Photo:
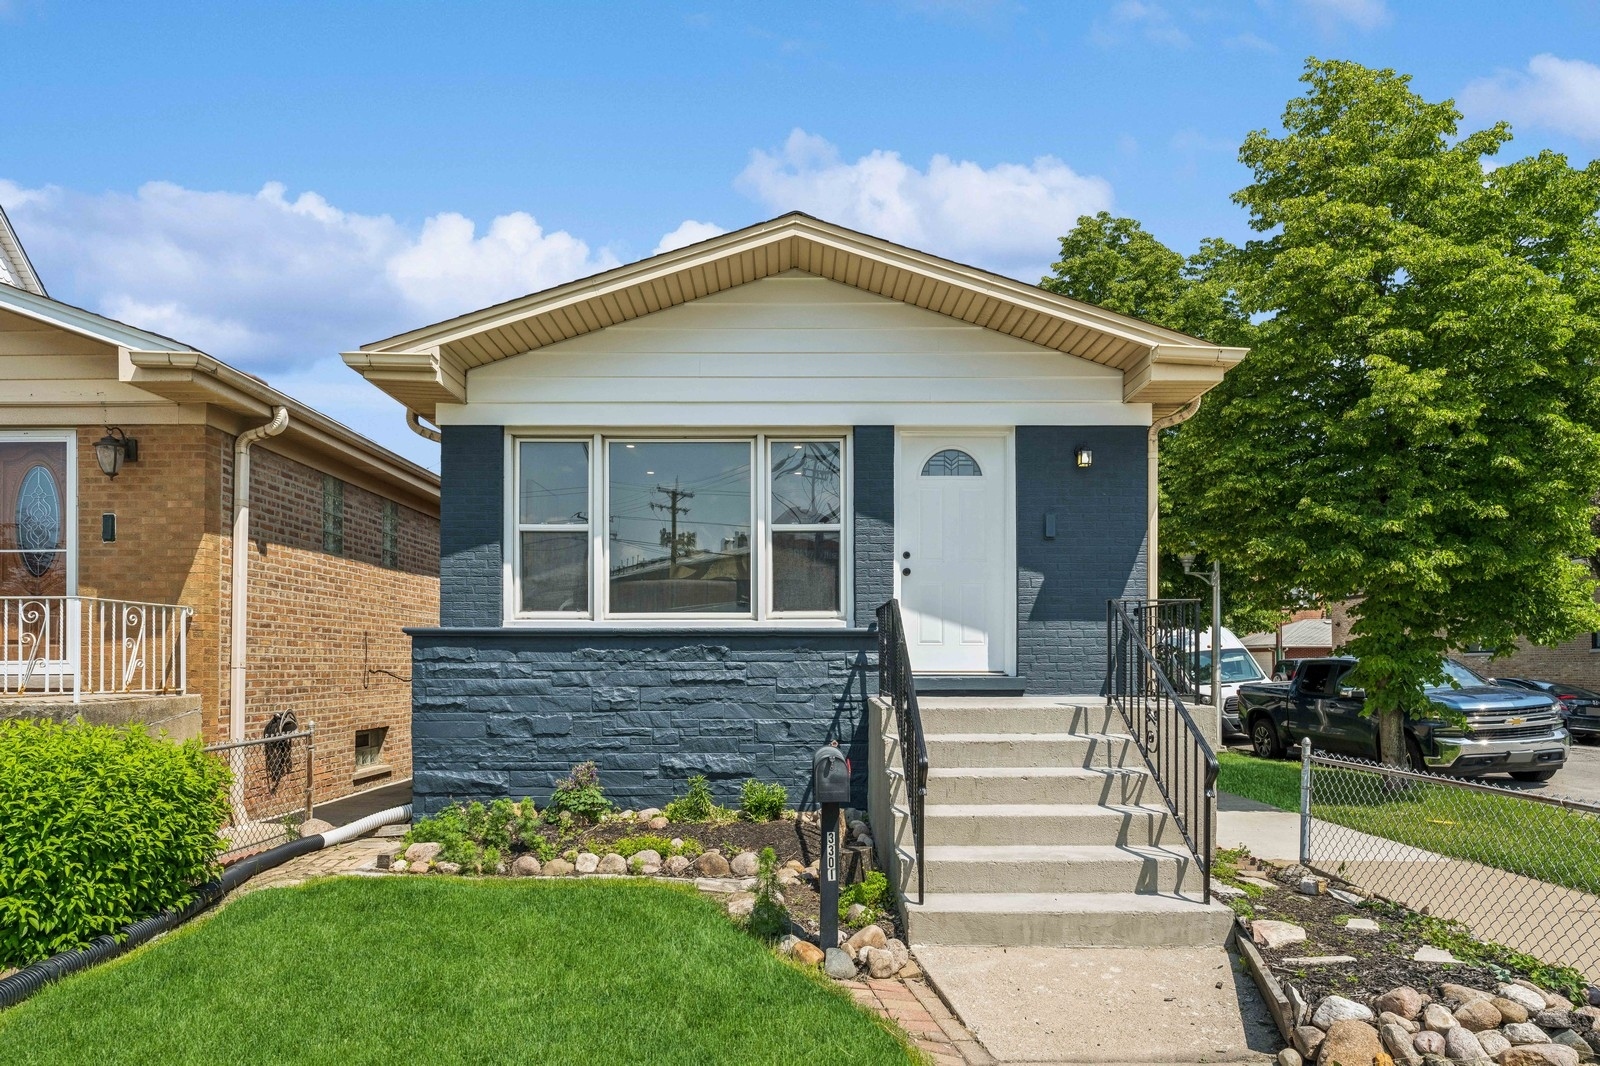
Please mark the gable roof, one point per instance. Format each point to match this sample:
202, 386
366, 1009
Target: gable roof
15, 270
428, 366
177, 372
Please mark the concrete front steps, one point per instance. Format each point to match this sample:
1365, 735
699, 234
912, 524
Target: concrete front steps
1043, 828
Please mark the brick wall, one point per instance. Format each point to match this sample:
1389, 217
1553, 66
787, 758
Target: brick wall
472, 470
507, 712
1098, 552
325, 637
873, 529
1574, 662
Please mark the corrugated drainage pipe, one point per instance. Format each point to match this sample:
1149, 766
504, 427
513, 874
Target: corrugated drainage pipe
30, 979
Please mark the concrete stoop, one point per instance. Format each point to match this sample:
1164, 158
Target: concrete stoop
1043, 829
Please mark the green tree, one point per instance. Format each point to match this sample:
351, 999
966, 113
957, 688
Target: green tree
1415, 426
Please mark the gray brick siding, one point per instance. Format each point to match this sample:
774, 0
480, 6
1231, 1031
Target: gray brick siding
1098, 553
471, 524
873, 530
507, 712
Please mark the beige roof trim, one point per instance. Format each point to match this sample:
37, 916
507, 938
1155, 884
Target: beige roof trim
429, 366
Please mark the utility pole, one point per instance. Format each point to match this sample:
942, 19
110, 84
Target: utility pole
674, 509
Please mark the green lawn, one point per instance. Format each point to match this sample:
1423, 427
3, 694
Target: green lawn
445, 970
1521, 836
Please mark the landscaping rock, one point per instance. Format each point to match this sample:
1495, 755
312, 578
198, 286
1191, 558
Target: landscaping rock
1307, 1039
448, 867
1436, 1018
1594, 996
1528, 997
612, 864
807, 953
649, 813
1259, 882
1525, 1033
1431, 954
1399, 1045
1510, 1010
712, 864
647, 857
854, 914
675, 866
1554, 1019
871, 936
1312, 886
747, 884
901, 953
423, 852
1478, 1015
1493, 1043
1391, 1018
1428, 1042
1539, 1055
587, 862
418, 867
1346, 897
525, 866
315, 827
1455, 995
746, 864
398, 865
837, 965
1290, 1057
1350, 1042
1275, 935
658, 822
1319, 960
1337, 1009
786, 944
559, 868
1227, 892
879, 962
1552, 1000
1460, 1045
740, 904
1567, 1038
1404, 1001
1362, 925
788, 877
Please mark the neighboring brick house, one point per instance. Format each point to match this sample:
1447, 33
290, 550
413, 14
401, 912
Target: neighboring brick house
121, 588
675, 494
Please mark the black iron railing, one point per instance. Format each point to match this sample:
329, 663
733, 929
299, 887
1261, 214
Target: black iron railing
896, 684
1153, 652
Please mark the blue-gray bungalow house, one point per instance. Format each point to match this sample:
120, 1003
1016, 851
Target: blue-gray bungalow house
675, 493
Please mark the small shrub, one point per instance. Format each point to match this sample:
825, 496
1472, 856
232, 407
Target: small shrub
528, 822
580, 796
99, 827
761, 802
696, 805
630, 846
769, 919
541, 849
872, 892
500, 819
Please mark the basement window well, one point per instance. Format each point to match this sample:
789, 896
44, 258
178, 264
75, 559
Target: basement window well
369, 753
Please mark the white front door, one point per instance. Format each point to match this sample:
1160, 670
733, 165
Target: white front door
954, 568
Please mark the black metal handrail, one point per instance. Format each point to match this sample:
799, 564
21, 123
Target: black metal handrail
896, 683
1146, 642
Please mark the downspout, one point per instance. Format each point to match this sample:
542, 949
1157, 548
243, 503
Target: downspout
1153, 491
414, 420
241, 563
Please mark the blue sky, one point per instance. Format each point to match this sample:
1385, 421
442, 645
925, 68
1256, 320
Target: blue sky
276, 183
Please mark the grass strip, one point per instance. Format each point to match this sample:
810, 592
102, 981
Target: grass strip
451, 970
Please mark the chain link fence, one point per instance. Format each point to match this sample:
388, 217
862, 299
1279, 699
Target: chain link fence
1518, 869
271, 792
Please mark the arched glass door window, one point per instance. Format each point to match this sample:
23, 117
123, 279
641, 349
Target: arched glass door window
952, 462
39, 525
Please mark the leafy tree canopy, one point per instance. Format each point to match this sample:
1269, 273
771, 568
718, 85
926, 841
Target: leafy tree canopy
1416, 425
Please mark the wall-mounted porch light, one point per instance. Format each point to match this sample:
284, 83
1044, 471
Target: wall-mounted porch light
1085, 458
113, 449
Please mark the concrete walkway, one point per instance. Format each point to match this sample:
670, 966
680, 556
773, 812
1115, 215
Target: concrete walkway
1104, 1005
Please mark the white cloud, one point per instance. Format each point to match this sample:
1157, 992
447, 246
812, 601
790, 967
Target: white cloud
688, 232
1006, 217
1558, 94
1362, 14
1149, 21
271, 281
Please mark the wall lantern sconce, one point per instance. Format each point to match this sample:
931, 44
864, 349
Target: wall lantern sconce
113, 449
1085, 458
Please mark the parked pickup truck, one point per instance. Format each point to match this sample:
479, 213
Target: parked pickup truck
1507, 730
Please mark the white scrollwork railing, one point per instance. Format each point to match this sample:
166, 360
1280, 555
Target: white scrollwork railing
85, 645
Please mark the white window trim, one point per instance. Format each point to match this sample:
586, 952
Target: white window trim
69, 490
760, 617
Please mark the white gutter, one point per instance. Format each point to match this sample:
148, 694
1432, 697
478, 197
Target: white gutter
241, 563
1153, 493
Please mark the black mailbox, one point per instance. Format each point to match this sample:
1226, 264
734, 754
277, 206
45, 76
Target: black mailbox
830, 776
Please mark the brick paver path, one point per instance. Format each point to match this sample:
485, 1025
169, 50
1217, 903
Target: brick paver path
350, 857
917, 1009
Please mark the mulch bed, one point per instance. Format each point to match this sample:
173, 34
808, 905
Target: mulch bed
1383, 959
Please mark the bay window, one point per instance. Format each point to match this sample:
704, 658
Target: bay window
623, 528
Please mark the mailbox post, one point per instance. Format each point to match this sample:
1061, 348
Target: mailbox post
830, 780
